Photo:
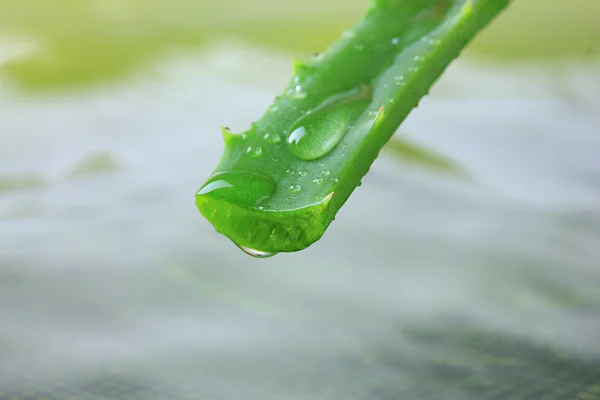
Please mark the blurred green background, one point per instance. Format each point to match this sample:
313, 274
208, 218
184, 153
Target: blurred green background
426, 287
98, 39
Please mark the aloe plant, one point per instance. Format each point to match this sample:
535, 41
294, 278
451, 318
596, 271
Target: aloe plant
280, 184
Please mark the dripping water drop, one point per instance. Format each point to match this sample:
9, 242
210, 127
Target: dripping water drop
256, 253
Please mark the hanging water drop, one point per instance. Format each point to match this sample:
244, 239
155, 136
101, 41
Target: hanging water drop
317, 133
318, 181
256, 253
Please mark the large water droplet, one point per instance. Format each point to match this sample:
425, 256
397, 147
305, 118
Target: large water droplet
238, 187
256, 253
254, 151
318, 132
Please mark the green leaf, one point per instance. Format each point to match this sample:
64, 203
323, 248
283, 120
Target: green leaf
280, 184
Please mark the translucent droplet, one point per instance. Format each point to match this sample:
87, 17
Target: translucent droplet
318, 181
295, 188
431, 40
256, 253
237, 187
272, 137
254, 151
275, 159
302, 173
317, 133
395, 41
418, 58
335, 180
326, 173
297, 92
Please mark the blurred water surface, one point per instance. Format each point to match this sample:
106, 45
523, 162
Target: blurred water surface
426, 286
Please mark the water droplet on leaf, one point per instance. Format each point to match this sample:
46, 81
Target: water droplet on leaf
254, 151
238, 187
295, 188
297, 92
317, 133
272, 137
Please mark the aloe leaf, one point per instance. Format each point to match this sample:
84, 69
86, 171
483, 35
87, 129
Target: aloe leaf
280, 184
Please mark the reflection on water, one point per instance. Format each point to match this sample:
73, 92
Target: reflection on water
112, 286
